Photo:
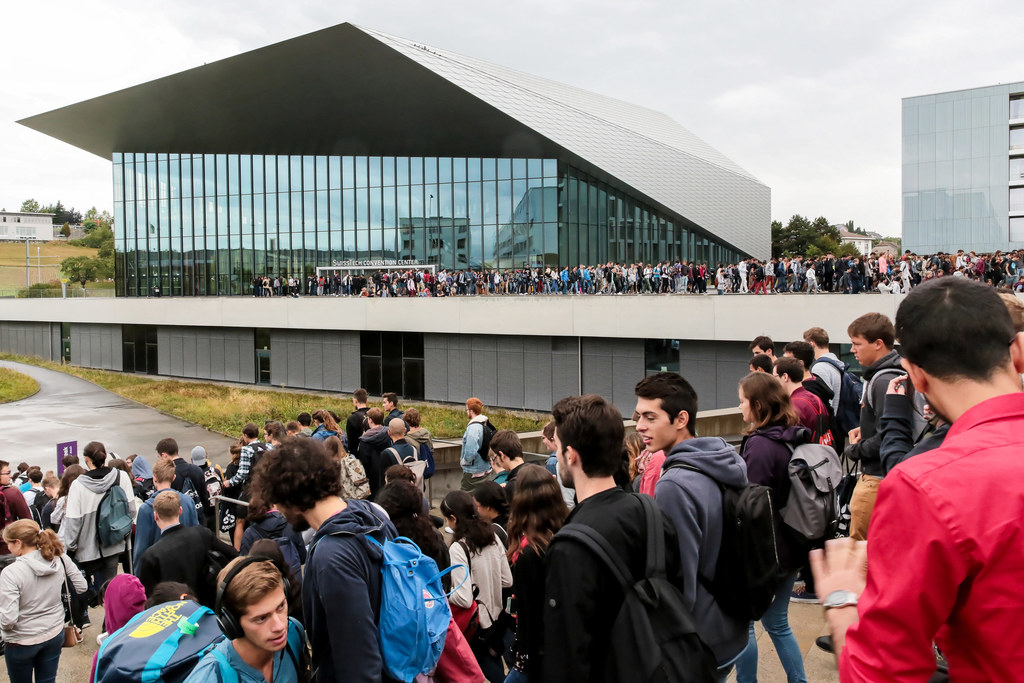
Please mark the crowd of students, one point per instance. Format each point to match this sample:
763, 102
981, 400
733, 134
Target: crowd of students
824, 273
543, 561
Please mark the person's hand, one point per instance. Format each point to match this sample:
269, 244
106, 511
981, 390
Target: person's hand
898, 385
854, 436
841, 566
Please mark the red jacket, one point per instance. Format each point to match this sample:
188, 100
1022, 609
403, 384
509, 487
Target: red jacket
13, 507
946, 558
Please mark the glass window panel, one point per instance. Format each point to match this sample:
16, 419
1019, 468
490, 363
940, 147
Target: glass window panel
445, 200
1017, 169
333, 173
362, 210
302, 177
422, 207
402, 170
1017, 229
222, 174
362, 171
1017, 138
1017, 107
284, 179
416, 171
444, 170
387, 167
1017, 199
470, 242
374, 173
535, 168
376, 208
175, 179
475, 197
490, 243
232, 174
348, 173
490, 202
504, 169
472, 169
519, 168
321, 173
489, 169
458, 170
245, 174
430, 170
403, 202
270, 174
459, 200
550, 168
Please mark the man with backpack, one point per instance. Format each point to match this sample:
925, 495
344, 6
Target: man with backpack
146, 530
188, 479
872, 336
372, 444
97, 503
355, 425
341, 591
262, 642
826, 365
475, 456
691, 495
587, 592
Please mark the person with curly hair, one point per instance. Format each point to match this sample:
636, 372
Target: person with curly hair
341, 590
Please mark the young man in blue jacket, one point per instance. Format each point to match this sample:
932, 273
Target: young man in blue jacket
341, 587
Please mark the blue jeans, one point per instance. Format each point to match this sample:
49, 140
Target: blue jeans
43, 658
776, 623
516, 677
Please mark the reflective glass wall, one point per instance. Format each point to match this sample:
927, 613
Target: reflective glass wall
205, 225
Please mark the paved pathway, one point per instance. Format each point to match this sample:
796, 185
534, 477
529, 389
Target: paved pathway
71, 409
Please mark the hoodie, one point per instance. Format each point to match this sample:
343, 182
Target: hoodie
693, 500
341, 594
31, 610
418, 436
868, 449
767, 457
78, 529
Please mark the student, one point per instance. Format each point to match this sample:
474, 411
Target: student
341, 588
261, 642
945, 559
146, 531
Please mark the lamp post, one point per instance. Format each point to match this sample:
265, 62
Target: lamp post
27, 257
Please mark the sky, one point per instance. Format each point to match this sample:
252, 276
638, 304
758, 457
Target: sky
806, 97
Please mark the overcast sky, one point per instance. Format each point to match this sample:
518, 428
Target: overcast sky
804, 96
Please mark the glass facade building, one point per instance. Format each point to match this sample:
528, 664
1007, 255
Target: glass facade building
206, 224
963, 170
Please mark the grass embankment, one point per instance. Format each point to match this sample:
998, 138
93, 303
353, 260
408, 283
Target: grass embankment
15, 386
226, 409
12, 261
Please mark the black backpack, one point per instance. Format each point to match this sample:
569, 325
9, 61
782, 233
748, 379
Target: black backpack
654, 636
485, 443
747, 570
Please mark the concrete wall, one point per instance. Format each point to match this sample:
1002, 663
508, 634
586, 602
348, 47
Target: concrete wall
207, 353
311, 359
703, 318
31, 339
96, 346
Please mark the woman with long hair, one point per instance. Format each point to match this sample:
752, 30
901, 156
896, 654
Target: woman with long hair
31, 609
326, 425
476, 546
538, 512
773, 427
403, 501
71, 473
492, 505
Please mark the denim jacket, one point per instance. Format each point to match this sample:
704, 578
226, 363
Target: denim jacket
470, 459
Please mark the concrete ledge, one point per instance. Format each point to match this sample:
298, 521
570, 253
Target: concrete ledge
738, 317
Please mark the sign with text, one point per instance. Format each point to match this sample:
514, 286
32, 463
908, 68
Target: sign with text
64, 450
372, 263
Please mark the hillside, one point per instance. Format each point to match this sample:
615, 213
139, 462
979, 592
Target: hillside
12, 261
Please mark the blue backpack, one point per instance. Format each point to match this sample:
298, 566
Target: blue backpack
851, 390
414, 612
113, 519
163, 643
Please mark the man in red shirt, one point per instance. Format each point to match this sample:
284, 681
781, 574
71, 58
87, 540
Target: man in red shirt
946, 558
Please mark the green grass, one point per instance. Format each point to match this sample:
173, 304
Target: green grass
226, 409
15, 386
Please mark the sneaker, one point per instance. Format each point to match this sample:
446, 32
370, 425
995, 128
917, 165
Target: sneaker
825, 643
803, 595
86, 624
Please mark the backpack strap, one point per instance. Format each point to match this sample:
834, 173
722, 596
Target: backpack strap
227, 673
704, 581
599, 546
871, 383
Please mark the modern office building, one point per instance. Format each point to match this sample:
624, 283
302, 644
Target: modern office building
963, 170
350, 144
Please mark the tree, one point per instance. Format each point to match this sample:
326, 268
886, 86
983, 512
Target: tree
30, 206
66, 230
76, 268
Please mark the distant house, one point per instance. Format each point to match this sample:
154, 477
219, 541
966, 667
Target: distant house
20, 225
862, 242
885, 247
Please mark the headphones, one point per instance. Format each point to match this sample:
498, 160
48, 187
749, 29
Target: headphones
229, 622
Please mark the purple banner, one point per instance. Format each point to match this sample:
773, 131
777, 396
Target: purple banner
63, 450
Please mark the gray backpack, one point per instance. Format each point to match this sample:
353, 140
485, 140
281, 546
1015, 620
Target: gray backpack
812, 507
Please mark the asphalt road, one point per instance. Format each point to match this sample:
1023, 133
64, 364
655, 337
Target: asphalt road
71, 409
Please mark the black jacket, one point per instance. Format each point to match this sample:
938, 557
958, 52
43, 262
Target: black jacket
355, 425
897, 432
180, 555
387, 459
186, 470
371, 445
868, 449
582, 598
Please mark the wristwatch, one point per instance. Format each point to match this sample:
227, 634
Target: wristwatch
837, 599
